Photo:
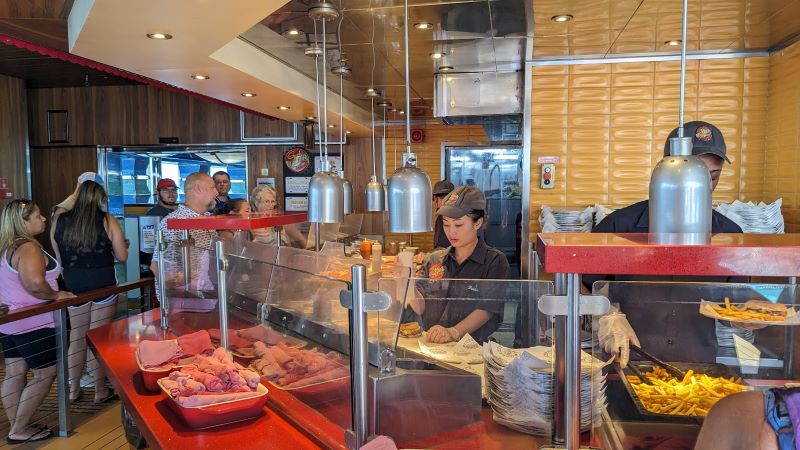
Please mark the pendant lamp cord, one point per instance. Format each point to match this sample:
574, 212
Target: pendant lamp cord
683, 67
408, 80
316, 73
325, 92
372, 86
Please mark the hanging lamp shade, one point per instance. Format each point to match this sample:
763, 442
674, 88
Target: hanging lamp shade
410, 208
376, 196
325, 198
347, 194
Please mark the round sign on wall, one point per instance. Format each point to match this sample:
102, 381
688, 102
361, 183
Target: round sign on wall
297, 159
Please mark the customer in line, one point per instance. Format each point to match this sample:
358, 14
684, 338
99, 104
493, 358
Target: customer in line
440, 190
264, 199
222, 182
87, 240
69, 202
167, 194
201, 196
27, 277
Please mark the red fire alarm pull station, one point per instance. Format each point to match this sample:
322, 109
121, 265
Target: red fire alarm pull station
417, 136
5, 191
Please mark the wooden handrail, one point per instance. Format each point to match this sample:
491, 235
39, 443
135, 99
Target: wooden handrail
96, 294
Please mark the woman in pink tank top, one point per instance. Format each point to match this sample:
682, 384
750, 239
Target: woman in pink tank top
27, 277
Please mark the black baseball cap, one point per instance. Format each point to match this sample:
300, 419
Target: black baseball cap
462, 201
443, 187
706, 139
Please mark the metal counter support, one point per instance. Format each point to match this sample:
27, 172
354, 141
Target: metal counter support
572, 397
222, 292
559, 342
186, 260
358, 358
62, 381
161, 283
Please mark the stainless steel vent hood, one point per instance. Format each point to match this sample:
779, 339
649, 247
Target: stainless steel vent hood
485, 78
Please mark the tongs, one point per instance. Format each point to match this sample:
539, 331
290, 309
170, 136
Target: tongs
674, 371
638, 373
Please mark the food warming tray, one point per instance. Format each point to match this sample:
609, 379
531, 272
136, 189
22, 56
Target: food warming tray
223, 413
712, 370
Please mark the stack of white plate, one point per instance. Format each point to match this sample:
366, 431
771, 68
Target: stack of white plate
600, 212
755, 218
566, 221
520, 388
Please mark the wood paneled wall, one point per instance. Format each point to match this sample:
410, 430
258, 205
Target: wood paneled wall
13, 130
131, 115
782, 161
608, 124
54, 175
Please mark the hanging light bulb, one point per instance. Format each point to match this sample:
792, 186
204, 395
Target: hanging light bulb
375, 192
325, 190
410, 208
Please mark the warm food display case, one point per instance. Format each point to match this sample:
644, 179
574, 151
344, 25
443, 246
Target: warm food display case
699, 341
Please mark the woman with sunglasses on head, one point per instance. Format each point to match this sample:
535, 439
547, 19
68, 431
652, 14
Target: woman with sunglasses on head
27, 277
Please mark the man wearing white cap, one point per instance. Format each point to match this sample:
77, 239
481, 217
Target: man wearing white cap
69, 202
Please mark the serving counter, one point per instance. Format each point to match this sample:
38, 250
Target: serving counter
341, 349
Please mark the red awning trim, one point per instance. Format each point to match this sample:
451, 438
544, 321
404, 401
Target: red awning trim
81, 61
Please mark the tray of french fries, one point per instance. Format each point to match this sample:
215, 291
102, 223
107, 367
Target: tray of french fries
688, 399
756, 312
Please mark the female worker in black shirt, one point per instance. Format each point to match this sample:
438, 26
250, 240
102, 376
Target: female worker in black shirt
468, 258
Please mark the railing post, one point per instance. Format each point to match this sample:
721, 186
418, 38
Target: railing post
62, 375
186, 259
162, 283
572, 397
559, 367
358, 358
222, 292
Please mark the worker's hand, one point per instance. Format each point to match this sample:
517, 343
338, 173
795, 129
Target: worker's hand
616, 335
438, 334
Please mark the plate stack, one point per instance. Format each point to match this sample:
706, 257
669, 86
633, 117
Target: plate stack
520, 388
566, 221
755, 218
600, 213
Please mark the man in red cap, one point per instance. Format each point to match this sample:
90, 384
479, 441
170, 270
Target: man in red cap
167, 192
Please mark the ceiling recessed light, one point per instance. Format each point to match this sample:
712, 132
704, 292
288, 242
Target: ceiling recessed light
370, 90
445, 68
347, 132
562, 18
423, 25
436, 55
673, 42
159, 36
284, 108
401, 111
293, 32
248, 94
331, 126
198, 76
311, 118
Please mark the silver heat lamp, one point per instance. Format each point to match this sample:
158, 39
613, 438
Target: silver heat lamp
325, 190
680, 186
347, 192
376, 195
409, 194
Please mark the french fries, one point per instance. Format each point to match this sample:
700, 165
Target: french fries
692, 396
743, 313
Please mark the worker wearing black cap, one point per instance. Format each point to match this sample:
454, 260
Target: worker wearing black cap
467, 257
440, 191
672, 327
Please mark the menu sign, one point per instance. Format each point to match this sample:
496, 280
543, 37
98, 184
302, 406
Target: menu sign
297, 185
295, 204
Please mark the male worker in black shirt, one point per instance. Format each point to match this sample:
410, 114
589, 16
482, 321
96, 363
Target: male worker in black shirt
440, 191
669, 322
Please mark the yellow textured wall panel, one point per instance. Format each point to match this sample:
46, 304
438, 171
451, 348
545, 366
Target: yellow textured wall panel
620, 115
